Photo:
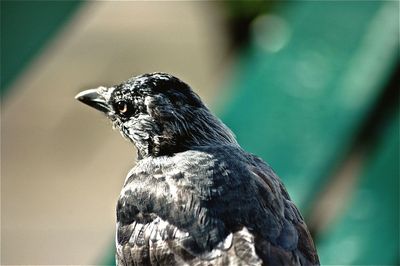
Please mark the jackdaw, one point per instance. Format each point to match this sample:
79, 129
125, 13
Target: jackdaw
195, 197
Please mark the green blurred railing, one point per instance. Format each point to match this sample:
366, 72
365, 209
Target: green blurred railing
300, 107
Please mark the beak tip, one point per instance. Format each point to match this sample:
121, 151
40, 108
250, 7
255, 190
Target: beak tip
80, 96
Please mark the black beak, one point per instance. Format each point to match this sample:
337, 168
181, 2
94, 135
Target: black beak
93, 99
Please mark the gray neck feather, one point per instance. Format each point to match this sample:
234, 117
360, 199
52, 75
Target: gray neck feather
196, 127
203, 128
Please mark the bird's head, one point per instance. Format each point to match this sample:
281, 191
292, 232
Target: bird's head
159, 113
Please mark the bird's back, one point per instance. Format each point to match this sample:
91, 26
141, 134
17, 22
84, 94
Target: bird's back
209, 206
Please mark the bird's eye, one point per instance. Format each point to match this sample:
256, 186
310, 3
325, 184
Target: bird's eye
122, 107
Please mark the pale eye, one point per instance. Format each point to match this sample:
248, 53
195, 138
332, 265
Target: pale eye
125, 109
122, 107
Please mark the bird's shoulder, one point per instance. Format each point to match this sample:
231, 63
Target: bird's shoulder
203, 167
169, 211
199, 199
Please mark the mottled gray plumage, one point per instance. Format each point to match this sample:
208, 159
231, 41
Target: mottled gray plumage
195, 197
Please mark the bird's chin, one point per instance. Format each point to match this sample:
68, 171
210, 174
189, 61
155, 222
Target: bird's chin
116, 124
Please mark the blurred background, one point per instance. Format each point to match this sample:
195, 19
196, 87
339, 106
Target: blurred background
311, 87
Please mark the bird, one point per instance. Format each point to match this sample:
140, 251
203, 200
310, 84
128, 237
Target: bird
194, 197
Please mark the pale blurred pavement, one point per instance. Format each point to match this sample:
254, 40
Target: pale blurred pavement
62, 164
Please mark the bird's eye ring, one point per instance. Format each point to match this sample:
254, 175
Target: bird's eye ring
122, 107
